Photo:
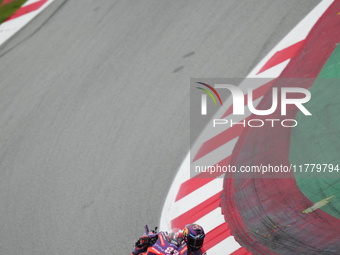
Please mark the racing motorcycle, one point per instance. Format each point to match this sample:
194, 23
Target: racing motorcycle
161, 244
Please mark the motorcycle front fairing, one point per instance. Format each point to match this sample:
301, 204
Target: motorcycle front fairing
166, 245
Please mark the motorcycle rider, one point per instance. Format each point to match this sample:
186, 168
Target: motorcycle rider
192, 235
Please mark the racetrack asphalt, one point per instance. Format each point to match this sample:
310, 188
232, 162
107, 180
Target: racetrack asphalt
94, 112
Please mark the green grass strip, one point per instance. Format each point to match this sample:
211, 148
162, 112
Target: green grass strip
9, 9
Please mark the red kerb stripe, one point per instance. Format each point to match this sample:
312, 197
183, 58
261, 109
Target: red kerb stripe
282, 56
199, 180
197, 212
6, 2
216, 236
219, 140
27, 9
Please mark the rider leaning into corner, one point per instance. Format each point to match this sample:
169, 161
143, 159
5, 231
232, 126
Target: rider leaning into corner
191, 238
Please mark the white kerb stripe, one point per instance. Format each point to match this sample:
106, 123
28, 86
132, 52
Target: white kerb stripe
211, 220
198, 196
274, 71
226, 247
9, 28
216, 155
30, 2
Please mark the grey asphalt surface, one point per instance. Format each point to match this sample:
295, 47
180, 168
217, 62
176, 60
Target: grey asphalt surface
94, 112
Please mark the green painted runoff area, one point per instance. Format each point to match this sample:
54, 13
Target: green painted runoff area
316, 139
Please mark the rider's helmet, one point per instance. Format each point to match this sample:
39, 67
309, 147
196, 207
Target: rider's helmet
194, 235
